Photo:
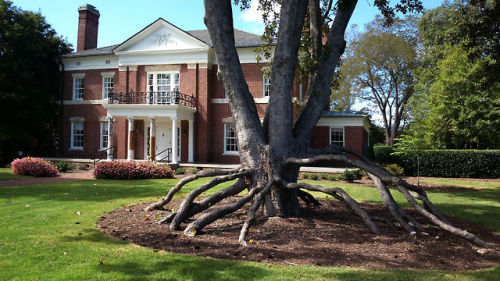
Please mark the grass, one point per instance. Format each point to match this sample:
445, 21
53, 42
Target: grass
6, 174
43, 238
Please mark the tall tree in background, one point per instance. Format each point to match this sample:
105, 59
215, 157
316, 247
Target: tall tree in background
29, 82
272, 152
378, 68
457, 96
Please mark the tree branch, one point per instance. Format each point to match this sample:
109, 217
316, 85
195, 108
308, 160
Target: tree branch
319, 94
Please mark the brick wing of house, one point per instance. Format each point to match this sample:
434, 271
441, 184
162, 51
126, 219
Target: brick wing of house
156, 96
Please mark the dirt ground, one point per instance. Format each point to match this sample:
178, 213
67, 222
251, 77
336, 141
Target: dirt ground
328, 235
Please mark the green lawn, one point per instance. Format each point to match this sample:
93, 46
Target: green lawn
6, 174
43, 238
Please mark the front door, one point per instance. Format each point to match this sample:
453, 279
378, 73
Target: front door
164, 141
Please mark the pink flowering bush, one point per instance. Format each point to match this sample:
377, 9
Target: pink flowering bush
31, 166
132, 170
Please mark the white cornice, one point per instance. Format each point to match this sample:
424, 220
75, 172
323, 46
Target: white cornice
81, 102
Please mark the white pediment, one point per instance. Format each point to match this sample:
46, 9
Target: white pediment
160, 36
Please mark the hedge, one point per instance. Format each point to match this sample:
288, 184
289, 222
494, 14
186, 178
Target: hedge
453, 163
383, 154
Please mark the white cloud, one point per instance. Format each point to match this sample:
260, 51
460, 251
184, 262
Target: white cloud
253, 14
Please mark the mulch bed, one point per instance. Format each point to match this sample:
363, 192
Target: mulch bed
328, 235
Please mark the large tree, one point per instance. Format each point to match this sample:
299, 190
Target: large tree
271, 153
378, 68
29, 82
457, 95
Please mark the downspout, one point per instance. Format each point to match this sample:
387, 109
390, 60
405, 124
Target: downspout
61, 108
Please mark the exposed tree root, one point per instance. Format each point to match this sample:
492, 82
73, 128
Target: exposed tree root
343, 197
382, 177
308, 198
186, 206
260, 187
208, 218
253, 209
207, 173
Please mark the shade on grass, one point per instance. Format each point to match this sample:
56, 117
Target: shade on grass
6, 174
43, 238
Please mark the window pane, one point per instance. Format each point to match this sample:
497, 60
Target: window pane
337, 136
230, 140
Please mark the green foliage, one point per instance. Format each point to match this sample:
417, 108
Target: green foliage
384, 154
453, 163
314, 176
455, 108
194, 171
64, 166
395, 169
29, 82
457, 95
350, 175
83, 167
180, 171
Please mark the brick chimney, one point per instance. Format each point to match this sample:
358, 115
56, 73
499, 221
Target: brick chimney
88, 24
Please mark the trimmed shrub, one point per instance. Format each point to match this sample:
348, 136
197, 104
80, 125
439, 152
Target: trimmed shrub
305, 176
132, 170
33, 167
333, 177
323, 176
83, 167
180, 171
350, 175
64, 166
194, 171
314, 177
395, 169
453, 163
383, 154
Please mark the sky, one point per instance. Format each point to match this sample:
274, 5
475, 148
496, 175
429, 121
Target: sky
121, 19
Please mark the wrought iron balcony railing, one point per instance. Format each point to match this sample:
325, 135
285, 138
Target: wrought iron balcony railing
157, 98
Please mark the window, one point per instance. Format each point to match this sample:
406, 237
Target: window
78, 83
77, 135
266, 85
230, 141
337, 136
107, 85
104, 135
161, 84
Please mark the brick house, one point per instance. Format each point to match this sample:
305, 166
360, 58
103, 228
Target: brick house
157, 96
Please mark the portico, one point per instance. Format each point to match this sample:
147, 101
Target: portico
162, 129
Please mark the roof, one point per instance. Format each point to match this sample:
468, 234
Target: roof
108, 50
242, 39
341, 114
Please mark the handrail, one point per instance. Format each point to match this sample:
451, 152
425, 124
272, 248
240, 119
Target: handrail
152, 97
98, 159
169, 154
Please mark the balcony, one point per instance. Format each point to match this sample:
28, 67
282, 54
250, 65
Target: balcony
152, 98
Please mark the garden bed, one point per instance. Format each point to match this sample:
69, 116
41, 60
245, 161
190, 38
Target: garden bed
328, 235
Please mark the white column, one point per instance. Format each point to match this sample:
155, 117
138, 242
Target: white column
191, 142
110, 139
174, 140
152, 139
131, 144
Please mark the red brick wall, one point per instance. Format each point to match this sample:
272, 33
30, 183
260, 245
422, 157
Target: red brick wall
88, 23
355, 138
92, 84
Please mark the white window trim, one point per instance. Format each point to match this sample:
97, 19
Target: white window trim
101, 142
225, 151
162, 72
78, 76
72, 146
264, 86
330, 135
105, 75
